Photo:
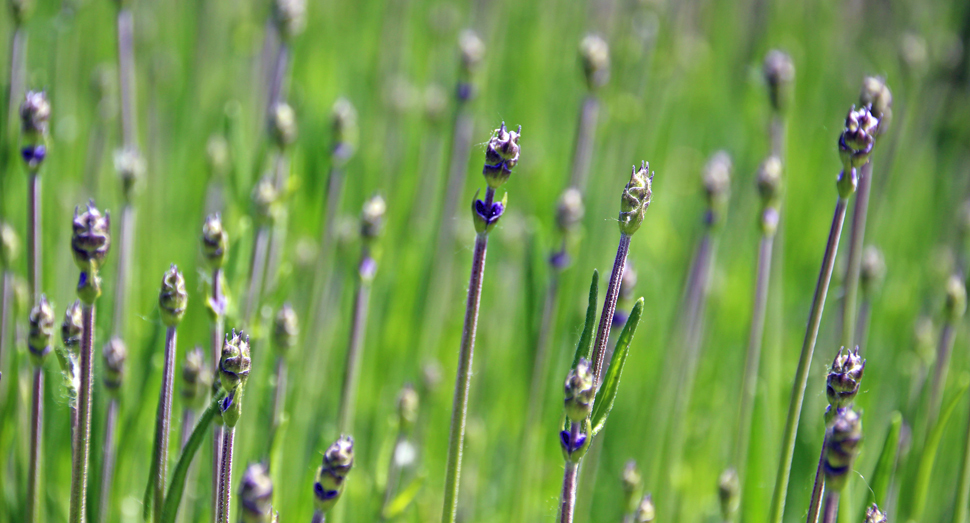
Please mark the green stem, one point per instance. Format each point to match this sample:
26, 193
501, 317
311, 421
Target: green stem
108, 459
79, 468
567, 503
6, 304
163, 422
947, 337
818, 488
123, 271
805, 363
857, 232
126, 76
963, 490
348, 396
256, 271
36, 431
609, 308
456, 438
585, 137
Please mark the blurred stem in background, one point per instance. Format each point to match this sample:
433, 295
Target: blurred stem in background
266, 204
215, 252
41, 323
286, 330
126, 75
131, 168
9, 248
284, 132
115, 353
404, 447
956, 305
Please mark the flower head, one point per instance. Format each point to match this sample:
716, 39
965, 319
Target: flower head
286, 329
41, 322
289, 17
779, 71
234, 363
857, 138
769, 181
173, 298
256, 494
115, 354
635, 199
580, 390
569, 210
843, 440
9, 245
215, 241
195, 377
130, 166
645, 511
91, 239
35, 113
594, 54
717, 185
337, 462
21, 10
874, 515
282, 124
372, 217
501, 155
72, 328
842, 383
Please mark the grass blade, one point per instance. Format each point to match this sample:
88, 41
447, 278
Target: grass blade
928, 458
403, 500
882, 476
586, 340
603, 403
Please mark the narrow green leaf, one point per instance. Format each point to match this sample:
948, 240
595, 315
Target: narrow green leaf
403, 500
925, 471
882, 476
153, 471
586, 340
174, 496
603, 403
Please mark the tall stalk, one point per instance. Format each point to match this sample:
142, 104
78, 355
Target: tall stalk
855, 145
963, 488
286, 330
89, 245
501, 155
956, 305
266, 209
284, 132
35, 112
126, 75
39, 344
131, 168
594, 54
234, 366
328, 487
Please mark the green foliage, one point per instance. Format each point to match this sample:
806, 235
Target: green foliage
611, 382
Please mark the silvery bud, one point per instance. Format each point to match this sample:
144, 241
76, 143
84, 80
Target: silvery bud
769, 181
234, 368
91, 239
282, 125
842, 446
580, 391
594, 54
472, 50
842, 383
289, 17
266, 201
130, 167
194, 377
876, 94
343, 121
256, 494
72, 328
41, 322
115, 353
779, 71
874, 515
9, 245
286, 328
372, 217
635, 199
501, 155
407, 407
645, 511
569, 210
857, 139
956, 298
435, 102
337, 462
717, 185
215, 242
173, 298
729, 493
632, 485
35, 113
873, 269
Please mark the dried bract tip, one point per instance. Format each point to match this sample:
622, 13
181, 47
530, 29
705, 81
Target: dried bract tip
635, 199
234, 363
130, 167
41, 321
876, 94
717, 185
729, 493
286, 328
266, 201
842, 446
73, 326
9, 245
256, 494
472, 50
282, 125
337, 462
195, 378
569, 210
956, 298
501, 155
645, 510
289, 17
874, 515
842, 383
114, 354
872, 270
343, 120
173, 298
217, 155
35, 113
857, 139
91, 239
769, 181
580, 390
779, 71
594, 54
372, 217
215, 241
407, 407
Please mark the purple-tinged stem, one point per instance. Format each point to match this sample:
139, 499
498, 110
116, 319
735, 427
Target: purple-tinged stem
818, 488
123, 271
944, 350
279, 395
216, 349
456, 438
831, 512
108, 460
585, 137
126, 76
33, 236
256, 272
36, 432
79, 468
609, 307
279, 75
776, 134
18, 52
163, 421
318, 517
188, 422
348, 397
569, 485
857, 232
225, 474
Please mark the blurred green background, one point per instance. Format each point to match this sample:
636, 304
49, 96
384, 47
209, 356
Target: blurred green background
686, 80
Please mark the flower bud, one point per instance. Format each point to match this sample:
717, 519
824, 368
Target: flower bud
779, 72
286, 328
194, 377
343, 120
337, 462
580, 390
842, 446
41, 321
35, 113
215, 241
635, 199
874, 515
485, 217
73, 326
956, 298
632, 485
91, 239
282, 124
289, 17
265, 201
115, 353
876, 94
645, 511
217, 155
130, 167
842, 383
570, 209
372, 218
872, 270
472, 50
234, 363
769, 181
856, 140
729, 492
717, 185
256, 494
407, 407
501, 155
173, 298
594, 54
9, 246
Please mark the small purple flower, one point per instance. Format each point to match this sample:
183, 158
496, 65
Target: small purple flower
490, 215
33, 155
619, 319
323, 494
367, 268
560, 260
465, 91
568, 444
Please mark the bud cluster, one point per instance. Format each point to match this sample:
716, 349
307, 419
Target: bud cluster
91, 238
857, 139
337, 462
717, 186
234, 365
215, 241
779, 71
842, 382
41, 322
115, 354
195, 377
286, 328
35, 114
501, 155
594, 54
173, 297
842, 446
635, 199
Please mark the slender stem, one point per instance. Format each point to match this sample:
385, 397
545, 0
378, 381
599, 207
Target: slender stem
318, 517
348, 397
831, 512
805, 363
818, 488
857, 232
33, 237
945, 349
257, 268
862, 323
216, 350
279, 75
963, 490
461, 142
126, 76
456, 438
393, 472
36, 431
18, 52
108, 460
777, 136
567, 504
188, 422
585, 137
539, 374
749, 383
5, 306
163, 421
79, 468
225, 474
278, 233
123, 271
279, 402
609, 307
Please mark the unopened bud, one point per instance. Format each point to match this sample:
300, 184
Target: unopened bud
266, 201
286, 328
35, 113
472, 50
956, 298
338, 460
256, 494
779, 72
874, 515
857, 139
580, 390
645, 511
769, 181
130, 167
194, 377
343, 119
234, 368
594, 54
632, 485
372, 218
91, 239
115, 355
41, 322
842, 383
173, 298
717, 185
9, 245
570, 209
635, 199
407, 407
215, 242
501, 155
282, 125
729, 493
72, 328
842, 446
